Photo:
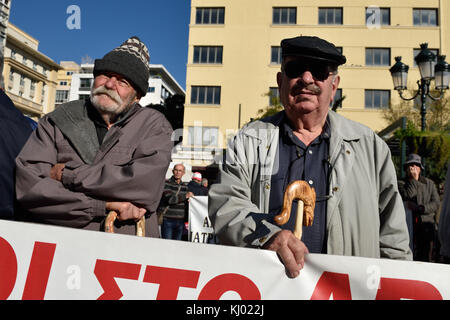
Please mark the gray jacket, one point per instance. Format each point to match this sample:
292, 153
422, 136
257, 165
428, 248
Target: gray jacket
365, 213
129, 166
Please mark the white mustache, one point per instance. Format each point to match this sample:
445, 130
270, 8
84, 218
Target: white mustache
110, 93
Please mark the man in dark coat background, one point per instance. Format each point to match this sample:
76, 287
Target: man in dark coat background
14, 132
422, 199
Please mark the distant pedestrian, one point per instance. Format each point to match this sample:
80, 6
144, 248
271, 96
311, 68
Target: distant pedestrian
205, 183
174, 205
195, 185
422, 199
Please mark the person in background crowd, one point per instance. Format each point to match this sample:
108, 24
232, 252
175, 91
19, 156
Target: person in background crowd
14, 132
444, 221
195, 185
88, 158
358, 210
174, 204
422, 199
205, 183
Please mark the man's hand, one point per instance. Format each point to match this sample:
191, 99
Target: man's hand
290, 250
56, 171
189, 195
126, 210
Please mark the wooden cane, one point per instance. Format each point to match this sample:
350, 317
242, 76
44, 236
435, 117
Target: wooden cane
112, 216
306, 196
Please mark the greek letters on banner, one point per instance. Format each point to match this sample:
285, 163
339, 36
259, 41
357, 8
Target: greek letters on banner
46, 262
200, 227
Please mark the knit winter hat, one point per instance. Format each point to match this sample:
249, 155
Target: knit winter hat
131, 60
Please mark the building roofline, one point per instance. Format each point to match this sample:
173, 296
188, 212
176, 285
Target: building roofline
169, 75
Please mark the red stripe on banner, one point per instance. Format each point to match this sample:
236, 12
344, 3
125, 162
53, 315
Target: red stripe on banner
39, 271
106, 271
170, 280
8, 269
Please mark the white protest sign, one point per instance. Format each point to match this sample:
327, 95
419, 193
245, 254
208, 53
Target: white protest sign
200, 227
46, 262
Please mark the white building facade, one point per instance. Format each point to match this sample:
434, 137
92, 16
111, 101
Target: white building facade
161, 85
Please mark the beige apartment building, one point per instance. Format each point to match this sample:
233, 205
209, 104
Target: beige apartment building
29, 75
64, 81
234, 56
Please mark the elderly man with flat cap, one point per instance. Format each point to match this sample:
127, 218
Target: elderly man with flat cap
358, 210
107, 153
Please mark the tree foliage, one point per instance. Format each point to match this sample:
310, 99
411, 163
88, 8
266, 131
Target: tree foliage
432, 145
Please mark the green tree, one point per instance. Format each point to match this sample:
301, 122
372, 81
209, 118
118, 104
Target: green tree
433, 145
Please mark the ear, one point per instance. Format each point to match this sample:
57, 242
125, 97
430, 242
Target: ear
279, 79
336, 82
335, 86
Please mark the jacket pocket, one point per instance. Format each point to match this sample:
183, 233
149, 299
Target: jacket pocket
120, 155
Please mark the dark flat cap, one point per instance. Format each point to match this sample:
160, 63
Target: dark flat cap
313, 48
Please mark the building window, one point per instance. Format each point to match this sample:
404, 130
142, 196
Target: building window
205, 95
43, 94
63, 83
377, 99
378, 56
165, 93
85, 84
203, 136
284, 16
274, 96
22, 80
151, 89
375, 15
417, 51
275, 56
62, 96
425, 17
203, 54
69, 73
330, 15
210, 16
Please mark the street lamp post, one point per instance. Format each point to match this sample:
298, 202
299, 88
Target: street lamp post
429, 69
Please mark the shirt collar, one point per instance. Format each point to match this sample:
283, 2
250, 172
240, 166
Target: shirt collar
287, 131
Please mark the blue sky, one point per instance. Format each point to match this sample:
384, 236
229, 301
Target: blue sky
163, 25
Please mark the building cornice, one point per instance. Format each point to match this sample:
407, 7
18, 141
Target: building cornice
29, 72
42, 57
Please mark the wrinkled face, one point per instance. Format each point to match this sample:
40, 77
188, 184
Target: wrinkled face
306, 86
178, 172
112, 94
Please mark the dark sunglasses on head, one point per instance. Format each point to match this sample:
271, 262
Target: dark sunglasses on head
296, 68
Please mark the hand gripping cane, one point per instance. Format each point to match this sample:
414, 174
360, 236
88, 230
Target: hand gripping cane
112, 216
306, 196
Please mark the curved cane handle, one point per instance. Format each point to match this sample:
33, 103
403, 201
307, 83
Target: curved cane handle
112, 216
298, 190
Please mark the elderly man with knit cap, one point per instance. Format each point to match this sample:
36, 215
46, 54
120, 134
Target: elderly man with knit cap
87, 158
